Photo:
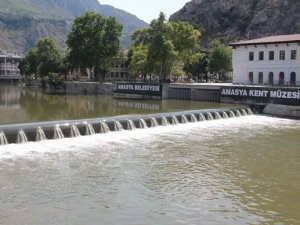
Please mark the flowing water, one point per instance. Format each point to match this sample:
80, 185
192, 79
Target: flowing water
240, 170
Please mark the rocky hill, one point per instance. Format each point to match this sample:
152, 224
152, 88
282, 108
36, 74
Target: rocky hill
23, 22
241, 19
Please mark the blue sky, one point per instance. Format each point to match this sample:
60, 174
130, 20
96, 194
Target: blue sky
147, 10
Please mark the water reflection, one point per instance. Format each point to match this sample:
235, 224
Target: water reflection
32, 105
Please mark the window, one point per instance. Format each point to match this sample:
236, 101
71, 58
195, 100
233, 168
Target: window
281, 78
260, 78
271, 78
293, 78
251, 56
261, 56
293, 54
281, 55
250, 78
271, 55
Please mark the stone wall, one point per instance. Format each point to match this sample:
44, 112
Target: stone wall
94, 88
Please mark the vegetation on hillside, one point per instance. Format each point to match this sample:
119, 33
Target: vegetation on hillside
24, 22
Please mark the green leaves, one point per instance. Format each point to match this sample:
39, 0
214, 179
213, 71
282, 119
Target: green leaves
42, 60
48, 57
93, 42
168, 44
219, 57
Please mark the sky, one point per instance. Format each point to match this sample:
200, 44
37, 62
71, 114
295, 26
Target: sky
147, 10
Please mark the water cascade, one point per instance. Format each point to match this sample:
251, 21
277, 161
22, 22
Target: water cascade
238, 113
174, 120
3, 139
89, 129
21, 137
130, 125
184, 119
118, 126
165, 121
231, 114
249, 111
142, 123
58, 134
193, 118
244, 113
201, 117
74, 131
154, 122
40, 135
225, 116
104, 127
22, 133
209, 116
218, 116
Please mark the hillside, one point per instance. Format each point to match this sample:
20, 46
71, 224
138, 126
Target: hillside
241, 19
23, 22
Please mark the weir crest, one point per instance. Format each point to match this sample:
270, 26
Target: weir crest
22, 133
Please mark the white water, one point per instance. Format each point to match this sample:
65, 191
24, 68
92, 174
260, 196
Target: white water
242, 170
40, 135
154, 122
58, 134
21, 137
131, 125
89, 129
142, 124
85, 142
74, 131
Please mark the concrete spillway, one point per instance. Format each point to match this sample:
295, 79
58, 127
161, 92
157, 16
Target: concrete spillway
22, 133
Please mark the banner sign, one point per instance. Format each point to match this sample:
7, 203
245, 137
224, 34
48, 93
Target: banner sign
139, 88
266, 95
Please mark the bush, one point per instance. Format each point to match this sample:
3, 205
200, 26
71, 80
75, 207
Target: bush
53, 79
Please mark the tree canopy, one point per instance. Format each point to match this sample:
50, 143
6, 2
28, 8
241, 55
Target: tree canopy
45, 58
167, 44
219, 57
93, 41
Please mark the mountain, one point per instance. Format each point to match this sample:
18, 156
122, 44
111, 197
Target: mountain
23, 22
234, 20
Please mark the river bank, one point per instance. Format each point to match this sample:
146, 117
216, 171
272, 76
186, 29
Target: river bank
261, 97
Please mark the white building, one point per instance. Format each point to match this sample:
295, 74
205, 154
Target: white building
9, 64
273, 60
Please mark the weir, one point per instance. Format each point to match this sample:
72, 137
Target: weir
22, 133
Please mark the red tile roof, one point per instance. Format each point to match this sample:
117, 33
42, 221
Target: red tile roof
292, 38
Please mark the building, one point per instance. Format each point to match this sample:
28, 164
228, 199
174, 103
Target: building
9, 64
273, 60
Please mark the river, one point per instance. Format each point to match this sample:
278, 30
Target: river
242, 170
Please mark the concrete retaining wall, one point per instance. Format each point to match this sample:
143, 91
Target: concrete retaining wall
207, 93
282, 110
94, 88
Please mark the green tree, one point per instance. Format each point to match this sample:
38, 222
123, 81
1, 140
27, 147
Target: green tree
138, 61
219, 58
29, 63
198, 65
24, 67
48, 57
93, 42
169, 44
